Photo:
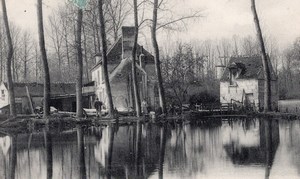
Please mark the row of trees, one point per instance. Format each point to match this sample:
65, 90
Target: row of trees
182, 69
75, 35
191, 68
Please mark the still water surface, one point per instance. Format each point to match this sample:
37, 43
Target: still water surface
239, 149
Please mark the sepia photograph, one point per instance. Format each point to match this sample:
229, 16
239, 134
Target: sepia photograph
149, 89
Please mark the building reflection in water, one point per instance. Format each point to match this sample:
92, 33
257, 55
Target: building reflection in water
255, 147
242, 148
131, 151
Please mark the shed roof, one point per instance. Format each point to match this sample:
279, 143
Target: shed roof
252, 68
37, 89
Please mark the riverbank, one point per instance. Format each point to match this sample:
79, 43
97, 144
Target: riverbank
25, 124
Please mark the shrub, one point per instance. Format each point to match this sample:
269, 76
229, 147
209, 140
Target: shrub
203, 97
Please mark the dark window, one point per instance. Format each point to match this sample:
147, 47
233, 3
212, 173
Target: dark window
2, 93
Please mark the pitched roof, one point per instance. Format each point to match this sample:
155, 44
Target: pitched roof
114, 54
123, 68
37, 89
252, 68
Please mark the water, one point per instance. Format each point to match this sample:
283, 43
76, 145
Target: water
238, 149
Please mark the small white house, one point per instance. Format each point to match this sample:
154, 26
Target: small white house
243, 82
4, 99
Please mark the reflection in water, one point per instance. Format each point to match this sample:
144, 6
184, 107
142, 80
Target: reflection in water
138, 150
110, 151
49, 159
80, 146
12, 157
162, 147
269, 147
234, 149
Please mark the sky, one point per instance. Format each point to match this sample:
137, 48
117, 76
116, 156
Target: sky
221, 18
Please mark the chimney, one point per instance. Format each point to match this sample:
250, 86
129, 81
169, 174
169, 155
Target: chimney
127, 41
220, 70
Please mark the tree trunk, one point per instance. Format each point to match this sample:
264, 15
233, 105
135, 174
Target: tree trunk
25, 58
161, 91
67, 46
85, 55
1, 58
11, 92
104, 58
79, 109
267, 74
44, 59
36, 64
134, 49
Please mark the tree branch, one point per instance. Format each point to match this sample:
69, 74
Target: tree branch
195, 15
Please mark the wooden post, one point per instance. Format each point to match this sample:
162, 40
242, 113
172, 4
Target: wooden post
30, 100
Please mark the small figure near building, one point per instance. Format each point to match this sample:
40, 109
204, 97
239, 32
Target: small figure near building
144, 107
98, 105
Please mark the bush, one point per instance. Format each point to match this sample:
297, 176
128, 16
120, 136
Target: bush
203, 97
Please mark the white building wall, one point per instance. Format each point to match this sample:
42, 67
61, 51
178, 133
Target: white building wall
228, 92
100, 90
4, 99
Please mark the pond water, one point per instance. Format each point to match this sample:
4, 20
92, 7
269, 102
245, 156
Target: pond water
237, 149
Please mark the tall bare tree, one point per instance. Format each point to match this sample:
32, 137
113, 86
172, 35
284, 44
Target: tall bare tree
26, 56
267, 73
44, 58
79, 109
104, 58
11, 92
57, 39
161, 90
117, 11
134, 49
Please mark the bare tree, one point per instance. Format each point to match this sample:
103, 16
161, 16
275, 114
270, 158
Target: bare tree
104, 58
79, 109
57, 40
44, 59
161, 90
267, 73
117, 11
11, 92
27, 47
134, 49
2, 45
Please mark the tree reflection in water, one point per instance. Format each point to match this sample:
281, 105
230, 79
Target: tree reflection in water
138, 149
162, 149
12, 157
80, 147
49, 158
110, 151
154, 151
271, 141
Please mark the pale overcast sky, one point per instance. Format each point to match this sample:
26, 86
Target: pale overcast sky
223, 18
